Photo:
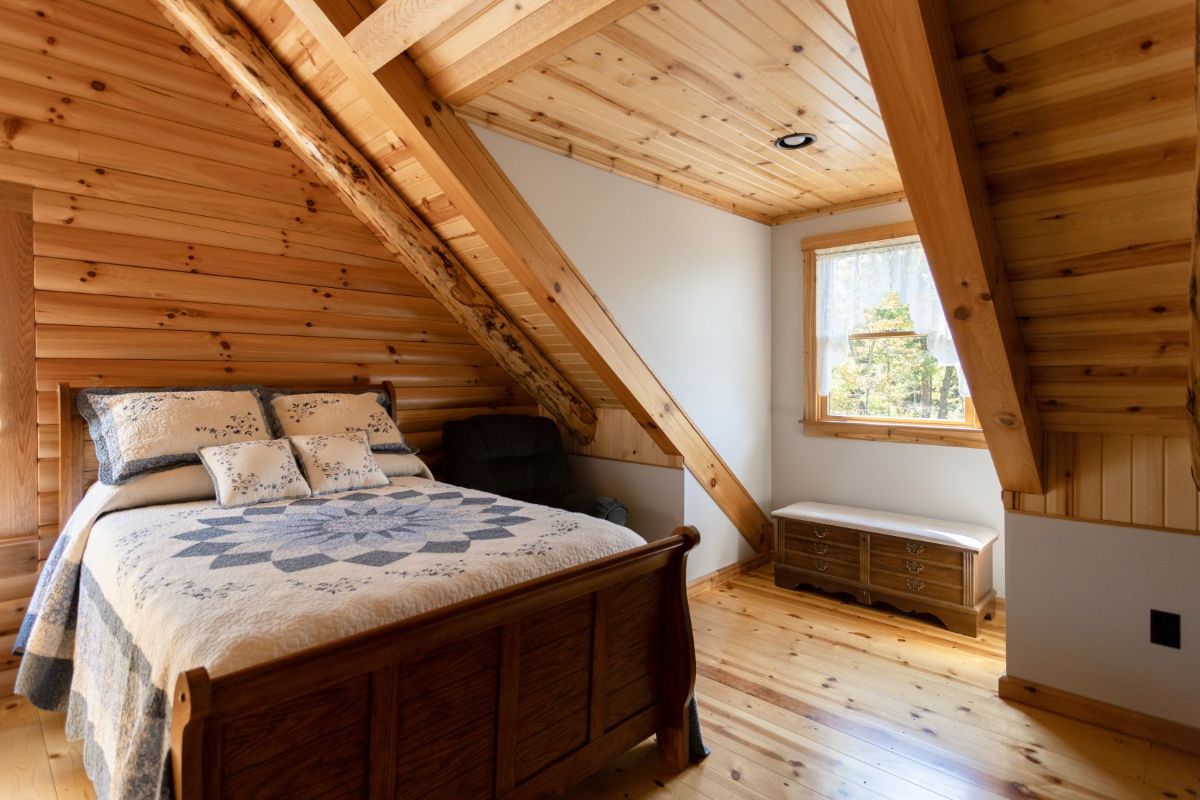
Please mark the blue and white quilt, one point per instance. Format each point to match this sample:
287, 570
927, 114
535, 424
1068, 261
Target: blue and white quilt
130, 599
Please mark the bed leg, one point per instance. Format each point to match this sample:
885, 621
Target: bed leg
679, 663
673, 741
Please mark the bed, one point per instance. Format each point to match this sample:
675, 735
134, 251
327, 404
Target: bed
530, 646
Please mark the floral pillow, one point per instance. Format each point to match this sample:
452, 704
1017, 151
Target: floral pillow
339, 463
139, 430
330, 414
254, 472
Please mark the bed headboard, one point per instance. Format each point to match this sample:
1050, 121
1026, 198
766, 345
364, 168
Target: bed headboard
78, 466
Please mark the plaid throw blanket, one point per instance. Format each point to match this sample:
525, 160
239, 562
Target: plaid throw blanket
130, 599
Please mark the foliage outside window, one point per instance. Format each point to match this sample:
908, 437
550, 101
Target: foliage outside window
880, 361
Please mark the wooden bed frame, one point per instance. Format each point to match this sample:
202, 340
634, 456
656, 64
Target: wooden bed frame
518, 693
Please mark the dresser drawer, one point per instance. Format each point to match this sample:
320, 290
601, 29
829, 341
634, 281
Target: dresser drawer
817, 547
821, 566
916, 567
911, 549
820, 533
916, 586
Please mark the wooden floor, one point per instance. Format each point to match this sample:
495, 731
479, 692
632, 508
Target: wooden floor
804, 696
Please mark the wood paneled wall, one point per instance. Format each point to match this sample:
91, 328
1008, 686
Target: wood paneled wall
175, 242
1135, 479
621, 438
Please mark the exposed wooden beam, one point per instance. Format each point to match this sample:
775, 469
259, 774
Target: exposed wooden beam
1193, 390
219, 34
18, 389
394, 26
510, 47
457, 161
909, 50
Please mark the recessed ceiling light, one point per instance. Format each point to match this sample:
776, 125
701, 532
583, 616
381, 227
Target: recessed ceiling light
795, 141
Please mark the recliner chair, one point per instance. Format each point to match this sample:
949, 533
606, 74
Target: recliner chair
521, 457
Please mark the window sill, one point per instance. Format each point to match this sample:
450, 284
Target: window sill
946, 435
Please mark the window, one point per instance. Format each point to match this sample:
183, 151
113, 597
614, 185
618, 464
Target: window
879, 359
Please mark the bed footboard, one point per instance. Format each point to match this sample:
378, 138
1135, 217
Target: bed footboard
520, 693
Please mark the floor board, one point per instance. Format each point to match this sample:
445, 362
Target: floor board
803, 696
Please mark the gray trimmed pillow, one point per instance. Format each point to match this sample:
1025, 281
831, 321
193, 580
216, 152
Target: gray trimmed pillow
333, 414
146, 430
260, 471
338, 463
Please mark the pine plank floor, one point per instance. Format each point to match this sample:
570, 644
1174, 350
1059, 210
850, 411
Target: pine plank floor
803, 696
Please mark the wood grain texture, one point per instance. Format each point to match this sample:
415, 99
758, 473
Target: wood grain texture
909, 49
689, 97
911, 713
18, 421
457, 161
236, 52
396, 24
1193, 387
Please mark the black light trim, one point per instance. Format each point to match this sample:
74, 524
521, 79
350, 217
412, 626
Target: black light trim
795, 141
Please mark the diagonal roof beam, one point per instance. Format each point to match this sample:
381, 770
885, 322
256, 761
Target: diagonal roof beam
394, 26
456, 160
218, 33
909, 50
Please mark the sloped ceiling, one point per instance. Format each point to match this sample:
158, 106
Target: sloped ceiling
689, 96
1085, 120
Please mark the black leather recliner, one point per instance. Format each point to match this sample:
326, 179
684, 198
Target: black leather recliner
520, 457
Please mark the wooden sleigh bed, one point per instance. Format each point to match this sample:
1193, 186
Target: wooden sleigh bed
518, 693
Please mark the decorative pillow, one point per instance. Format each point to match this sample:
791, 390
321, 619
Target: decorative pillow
140, 430
254, 472
329, 414
338, 463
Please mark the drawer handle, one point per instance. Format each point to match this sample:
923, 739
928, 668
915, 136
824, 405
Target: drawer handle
913, 585
821, 549
821, 564
916, 548
915, 567
821, 532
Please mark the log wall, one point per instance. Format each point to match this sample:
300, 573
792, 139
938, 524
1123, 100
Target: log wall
176, 242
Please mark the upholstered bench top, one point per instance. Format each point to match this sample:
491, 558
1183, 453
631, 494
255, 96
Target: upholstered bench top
926, 529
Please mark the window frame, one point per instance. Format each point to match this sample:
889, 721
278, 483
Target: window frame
817, 420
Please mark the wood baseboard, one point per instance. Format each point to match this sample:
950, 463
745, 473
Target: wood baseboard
724, 574
1164, 732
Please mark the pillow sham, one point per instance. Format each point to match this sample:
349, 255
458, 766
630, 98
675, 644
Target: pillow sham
402, 465
246, 473
338, 463
145, 430
331, 414
175, 485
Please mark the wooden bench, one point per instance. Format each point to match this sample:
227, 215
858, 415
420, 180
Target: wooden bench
913, 563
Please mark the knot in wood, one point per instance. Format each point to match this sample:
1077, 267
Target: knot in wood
962, 313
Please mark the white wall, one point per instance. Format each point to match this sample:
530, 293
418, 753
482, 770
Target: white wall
1079, 602
690, 287
948, 482
654, 495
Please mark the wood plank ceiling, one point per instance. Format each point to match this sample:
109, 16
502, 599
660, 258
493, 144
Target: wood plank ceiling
689, 96
1085, 120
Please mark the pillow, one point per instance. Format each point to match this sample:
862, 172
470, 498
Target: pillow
402, 465
140, 430
177, 485
329, 414
339, 463
246, 473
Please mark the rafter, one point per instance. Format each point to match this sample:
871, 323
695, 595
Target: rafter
456, 160
909, 51
394, 26
218, 33
509, 47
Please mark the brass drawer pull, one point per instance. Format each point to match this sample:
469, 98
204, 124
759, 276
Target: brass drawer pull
916, 548
821, 549
914, 586
821, 564
915, 567
821, 532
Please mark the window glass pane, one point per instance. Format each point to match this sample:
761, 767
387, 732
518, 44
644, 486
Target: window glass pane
893, 376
